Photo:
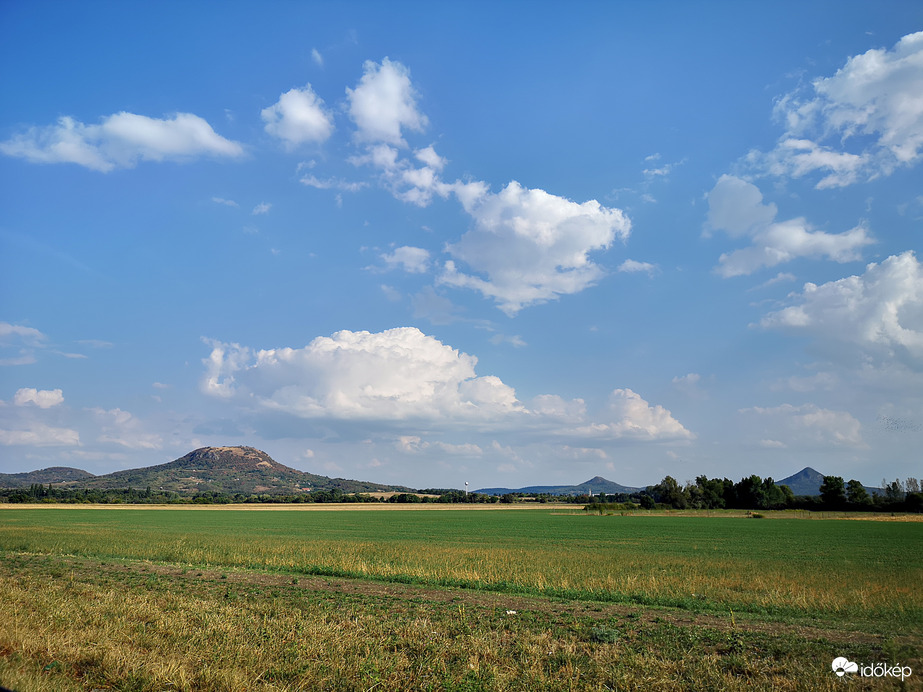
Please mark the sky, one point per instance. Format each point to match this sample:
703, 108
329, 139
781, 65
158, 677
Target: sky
426, 244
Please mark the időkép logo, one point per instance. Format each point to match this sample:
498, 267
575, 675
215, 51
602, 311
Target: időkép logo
842, 665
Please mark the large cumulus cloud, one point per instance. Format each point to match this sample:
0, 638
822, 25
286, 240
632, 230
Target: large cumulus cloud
402, 378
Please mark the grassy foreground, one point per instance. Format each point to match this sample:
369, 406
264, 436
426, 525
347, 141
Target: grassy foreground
226, 600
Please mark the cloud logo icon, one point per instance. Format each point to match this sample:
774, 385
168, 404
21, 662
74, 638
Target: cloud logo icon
842, 665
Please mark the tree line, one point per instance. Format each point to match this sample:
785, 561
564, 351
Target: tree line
754, 493
751, 493
51, 494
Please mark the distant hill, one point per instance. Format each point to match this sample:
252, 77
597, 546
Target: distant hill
211, 469
595, 486
805, 482
249, 471
53, 474
808, 481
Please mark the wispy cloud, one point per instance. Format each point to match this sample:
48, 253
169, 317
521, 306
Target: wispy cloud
121, 140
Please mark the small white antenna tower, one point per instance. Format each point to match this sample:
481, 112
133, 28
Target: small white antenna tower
466, 488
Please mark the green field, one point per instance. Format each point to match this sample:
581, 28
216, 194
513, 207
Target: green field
601, 601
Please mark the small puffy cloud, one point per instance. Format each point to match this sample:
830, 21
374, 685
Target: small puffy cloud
381, 156
121, 141
632, 418
261, 208
807, 425
383, 103
43, 398
736, 206
414, 260
863, 122
298, 117
430, 158
631, 266
528, 246
225, 202
400, 175
879, 311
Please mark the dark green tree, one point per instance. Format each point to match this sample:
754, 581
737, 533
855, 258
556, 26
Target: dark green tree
710, 492
833, 492
856, 494
669, 492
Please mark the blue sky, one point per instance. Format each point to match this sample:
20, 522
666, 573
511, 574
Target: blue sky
426, 244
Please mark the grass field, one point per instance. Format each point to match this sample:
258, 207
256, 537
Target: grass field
153, 599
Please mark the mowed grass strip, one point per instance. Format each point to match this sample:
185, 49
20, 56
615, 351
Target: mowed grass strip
79, 624
855, 571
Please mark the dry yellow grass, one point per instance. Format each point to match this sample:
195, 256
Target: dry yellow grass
71, 625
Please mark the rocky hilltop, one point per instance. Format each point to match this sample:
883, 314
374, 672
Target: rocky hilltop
230, 470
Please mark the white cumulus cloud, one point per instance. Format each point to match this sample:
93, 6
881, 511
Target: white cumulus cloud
121, 141
879, 311
393, 375
861, 123
631, 417
631, 266
736, 207
402, 378
384, 102
528, 246
43, 398
298, 117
